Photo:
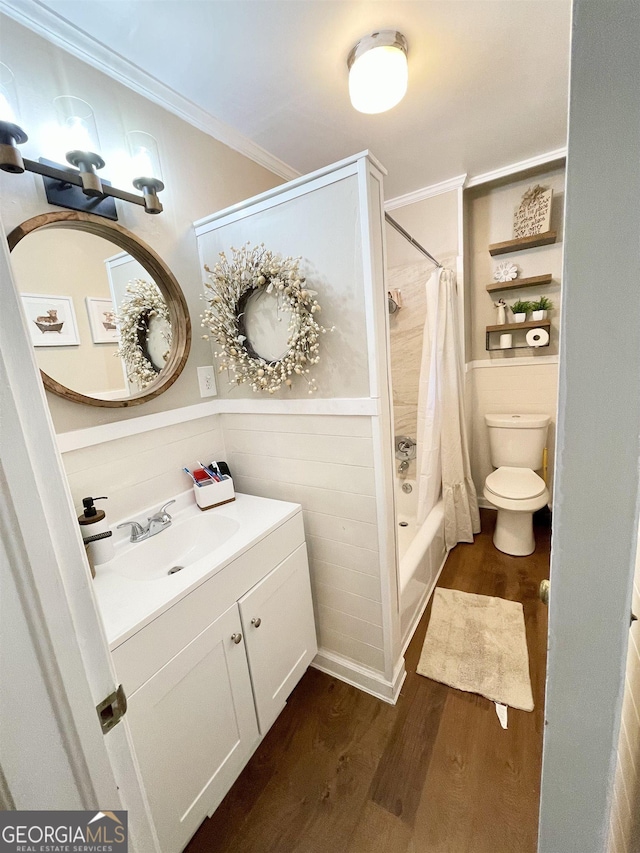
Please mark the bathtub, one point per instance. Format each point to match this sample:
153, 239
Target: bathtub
421, 553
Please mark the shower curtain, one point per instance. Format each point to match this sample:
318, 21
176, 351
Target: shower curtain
443, 453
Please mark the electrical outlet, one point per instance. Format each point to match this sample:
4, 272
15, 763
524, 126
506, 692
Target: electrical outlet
207, 381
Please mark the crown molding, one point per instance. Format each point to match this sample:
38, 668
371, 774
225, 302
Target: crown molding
51, 26
426, 192
557, 156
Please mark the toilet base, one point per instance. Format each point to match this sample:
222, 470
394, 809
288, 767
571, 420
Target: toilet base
514, 533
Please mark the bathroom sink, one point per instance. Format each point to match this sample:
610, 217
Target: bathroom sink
175, 549
145, 578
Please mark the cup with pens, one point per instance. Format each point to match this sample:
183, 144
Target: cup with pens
212, 484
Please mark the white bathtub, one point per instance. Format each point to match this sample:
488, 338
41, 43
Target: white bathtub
421, 557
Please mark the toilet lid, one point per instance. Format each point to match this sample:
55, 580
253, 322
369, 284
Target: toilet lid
515, 483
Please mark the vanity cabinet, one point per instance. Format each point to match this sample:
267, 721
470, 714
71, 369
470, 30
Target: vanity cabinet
277, 620
206, 678
194, 727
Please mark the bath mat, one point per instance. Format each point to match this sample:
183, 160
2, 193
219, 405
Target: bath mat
477, 643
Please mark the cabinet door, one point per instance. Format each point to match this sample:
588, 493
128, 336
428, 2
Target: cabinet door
278, 622
194, 726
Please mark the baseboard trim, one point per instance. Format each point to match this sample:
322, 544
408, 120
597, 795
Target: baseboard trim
361, 677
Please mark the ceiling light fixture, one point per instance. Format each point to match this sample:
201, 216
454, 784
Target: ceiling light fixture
378, 72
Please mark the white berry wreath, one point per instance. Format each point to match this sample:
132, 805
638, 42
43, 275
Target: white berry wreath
143, 302
231, 283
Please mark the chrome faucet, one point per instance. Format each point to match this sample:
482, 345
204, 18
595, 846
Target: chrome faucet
155, 524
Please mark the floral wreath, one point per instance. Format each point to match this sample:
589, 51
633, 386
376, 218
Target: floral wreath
231, 284
143, 301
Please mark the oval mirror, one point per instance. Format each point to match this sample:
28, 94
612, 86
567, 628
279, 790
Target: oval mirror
106, 316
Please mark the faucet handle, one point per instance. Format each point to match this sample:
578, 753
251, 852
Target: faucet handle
137, 530
163, 509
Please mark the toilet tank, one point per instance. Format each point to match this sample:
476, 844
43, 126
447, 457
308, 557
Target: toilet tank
517, 440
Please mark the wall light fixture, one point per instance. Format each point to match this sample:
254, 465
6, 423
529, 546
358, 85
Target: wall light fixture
378, 71
79, 188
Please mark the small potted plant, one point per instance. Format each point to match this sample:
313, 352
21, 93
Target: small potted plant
520, 310
539, 309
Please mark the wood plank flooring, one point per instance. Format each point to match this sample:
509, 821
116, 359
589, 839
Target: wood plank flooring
342, 772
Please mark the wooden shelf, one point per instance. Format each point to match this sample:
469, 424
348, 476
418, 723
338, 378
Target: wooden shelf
523, 243
532, 281
513, 327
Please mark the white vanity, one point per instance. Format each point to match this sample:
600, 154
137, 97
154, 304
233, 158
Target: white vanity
207, 654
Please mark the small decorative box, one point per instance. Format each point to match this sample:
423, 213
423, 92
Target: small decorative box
211, 493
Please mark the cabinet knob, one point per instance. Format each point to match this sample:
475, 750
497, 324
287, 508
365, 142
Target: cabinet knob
256, 622
237, 638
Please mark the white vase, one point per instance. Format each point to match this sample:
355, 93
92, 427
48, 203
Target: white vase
520, 318
538, 315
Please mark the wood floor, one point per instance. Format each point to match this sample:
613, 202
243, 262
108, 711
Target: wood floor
342, 772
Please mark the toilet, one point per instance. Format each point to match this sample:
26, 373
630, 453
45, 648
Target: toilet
516, 443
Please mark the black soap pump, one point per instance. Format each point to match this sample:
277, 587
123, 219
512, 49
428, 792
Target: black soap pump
95, 531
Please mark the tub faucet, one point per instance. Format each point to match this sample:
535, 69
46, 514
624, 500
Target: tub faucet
403, 466
155, 523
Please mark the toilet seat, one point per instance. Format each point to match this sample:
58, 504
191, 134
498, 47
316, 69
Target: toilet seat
515, 484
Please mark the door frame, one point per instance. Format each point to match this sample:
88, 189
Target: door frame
596, 494
44, 559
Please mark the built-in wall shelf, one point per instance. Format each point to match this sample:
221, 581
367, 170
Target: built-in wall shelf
532, 281
520, 243
516, 327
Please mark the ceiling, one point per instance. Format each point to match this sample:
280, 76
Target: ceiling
488, 79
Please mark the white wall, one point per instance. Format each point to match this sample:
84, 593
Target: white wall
335, 464
210, 177
596, 490
142, 470
324, 463
322, 227
200, 173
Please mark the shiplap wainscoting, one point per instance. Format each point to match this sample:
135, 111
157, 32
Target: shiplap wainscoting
325, 463
142, 470
625, 813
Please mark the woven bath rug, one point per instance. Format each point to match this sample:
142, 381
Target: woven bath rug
477, 643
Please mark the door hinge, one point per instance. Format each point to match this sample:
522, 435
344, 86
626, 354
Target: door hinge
112, 709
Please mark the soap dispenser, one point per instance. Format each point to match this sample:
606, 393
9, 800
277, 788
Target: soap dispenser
95, 532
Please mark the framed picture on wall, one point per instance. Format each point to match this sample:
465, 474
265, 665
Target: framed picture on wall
102, 320
51, 320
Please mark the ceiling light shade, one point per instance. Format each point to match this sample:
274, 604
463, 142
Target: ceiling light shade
147, 170
80, 138
378, 72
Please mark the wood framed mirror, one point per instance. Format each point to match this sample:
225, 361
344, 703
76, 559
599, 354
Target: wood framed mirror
77, 273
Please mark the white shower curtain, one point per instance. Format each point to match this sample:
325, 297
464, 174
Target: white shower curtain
443, 453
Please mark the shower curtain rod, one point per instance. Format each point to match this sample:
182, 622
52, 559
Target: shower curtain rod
408, 237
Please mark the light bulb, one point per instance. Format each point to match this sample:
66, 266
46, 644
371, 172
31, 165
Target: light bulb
11, 134
8, 96
77, 124
378, 72
145, 159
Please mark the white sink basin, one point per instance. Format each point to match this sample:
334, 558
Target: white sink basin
135, 586
174, 549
